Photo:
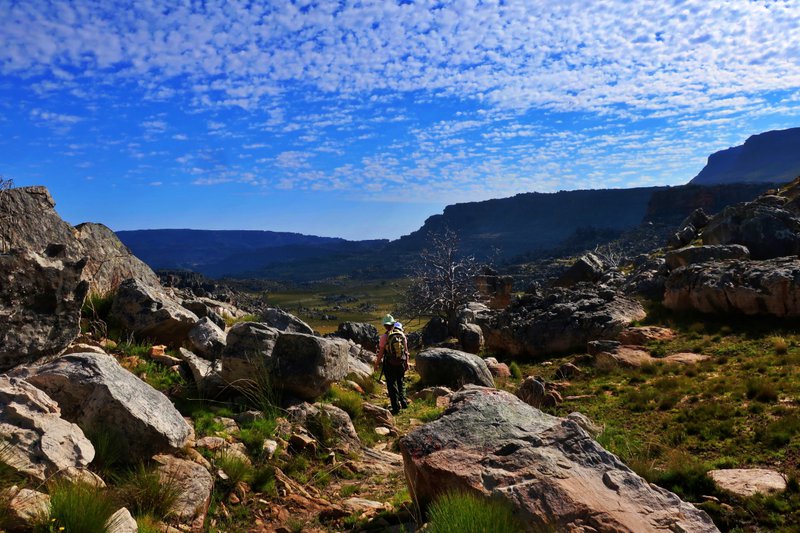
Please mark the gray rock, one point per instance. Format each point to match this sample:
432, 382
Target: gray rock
40, 443
587, 425
25, 508
283, 321
701, 254
602, 345
682, 237
93, 390
248, 351
767, 231
306, 366
194, 485
552, 473
470, 336
40, 304
588, 268
452, 368
207, 375
150, 314
647, 279
435, 331
344, 431
534, 391
747, 482
770, 287
359, 332
207, 339
558, 320
360, 361
110, 261
122, 522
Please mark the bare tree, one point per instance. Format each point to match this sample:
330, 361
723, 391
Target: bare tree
611, 254
442, 280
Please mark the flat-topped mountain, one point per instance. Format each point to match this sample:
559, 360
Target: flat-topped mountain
773, 156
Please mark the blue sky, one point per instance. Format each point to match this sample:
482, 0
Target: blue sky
361, 119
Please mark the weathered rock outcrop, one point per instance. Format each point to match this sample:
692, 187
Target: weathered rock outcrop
93, 390
359, 332
452, 368
40, 304
283, 321
149, 313
702, 254
110, 261
558, 320
767, 230
306, 366
495, 289
549, 469
770, 287
40, 443
207, 375
470, 337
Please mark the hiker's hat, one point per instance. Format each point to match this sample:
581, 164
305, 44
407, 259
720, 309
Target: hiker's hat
398, 325
388, 320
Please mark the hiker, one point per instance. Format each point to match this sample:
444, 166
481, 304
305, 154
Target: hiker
393, 355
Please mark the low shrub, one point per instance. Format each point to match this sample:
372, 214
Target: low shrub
780, 345
684, 475
761, 391
320, 426
235, 467
516, 371
457, 512
79, 507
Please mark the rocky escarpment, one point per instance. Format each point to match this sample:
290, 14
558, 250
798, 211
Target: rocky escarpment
553, 474
558, 320
770, 287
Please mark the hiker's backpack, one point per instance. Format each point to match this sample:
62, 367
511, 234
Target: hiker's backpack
395, 351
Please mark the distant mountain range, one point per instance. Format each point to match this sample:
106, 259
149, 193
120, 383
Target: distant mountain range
773, 156
506, 228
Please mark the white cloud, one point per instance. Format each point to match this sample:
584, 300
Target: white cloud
61, 119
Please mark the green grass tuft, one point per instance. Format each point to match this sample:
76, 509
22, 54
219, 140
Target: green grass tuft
146, 493
78, 508
456, 512
516, 371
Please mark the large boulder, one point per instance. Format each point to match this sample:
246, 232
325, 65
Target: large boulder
767, 230
452, 368
647, 279
94, 391
588, 268
41, 264
149, 313
435, 331
470, 337
306, 366
548, 469
359, 332
248, 352
207, 375
283, 321
702, 254
770, 287
41, 296
110, 261
558, 320
39, 442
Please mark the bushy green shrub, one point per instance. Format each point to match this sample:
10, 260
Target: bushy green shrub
762, 391
78, 508
457, 512
235, 467
516, 371
348, 401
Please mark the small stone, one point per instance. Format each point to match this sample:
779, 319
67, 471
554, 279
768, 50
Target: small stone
382, 431
158, 349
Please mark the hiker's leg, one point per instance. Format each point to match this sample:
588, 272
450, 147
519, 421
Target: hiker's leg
392, 386
401, 392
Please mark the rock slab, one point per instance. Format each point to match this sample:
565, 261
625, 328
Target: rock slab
549, 469
93, 390
452, 368
747, 482
150, 314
